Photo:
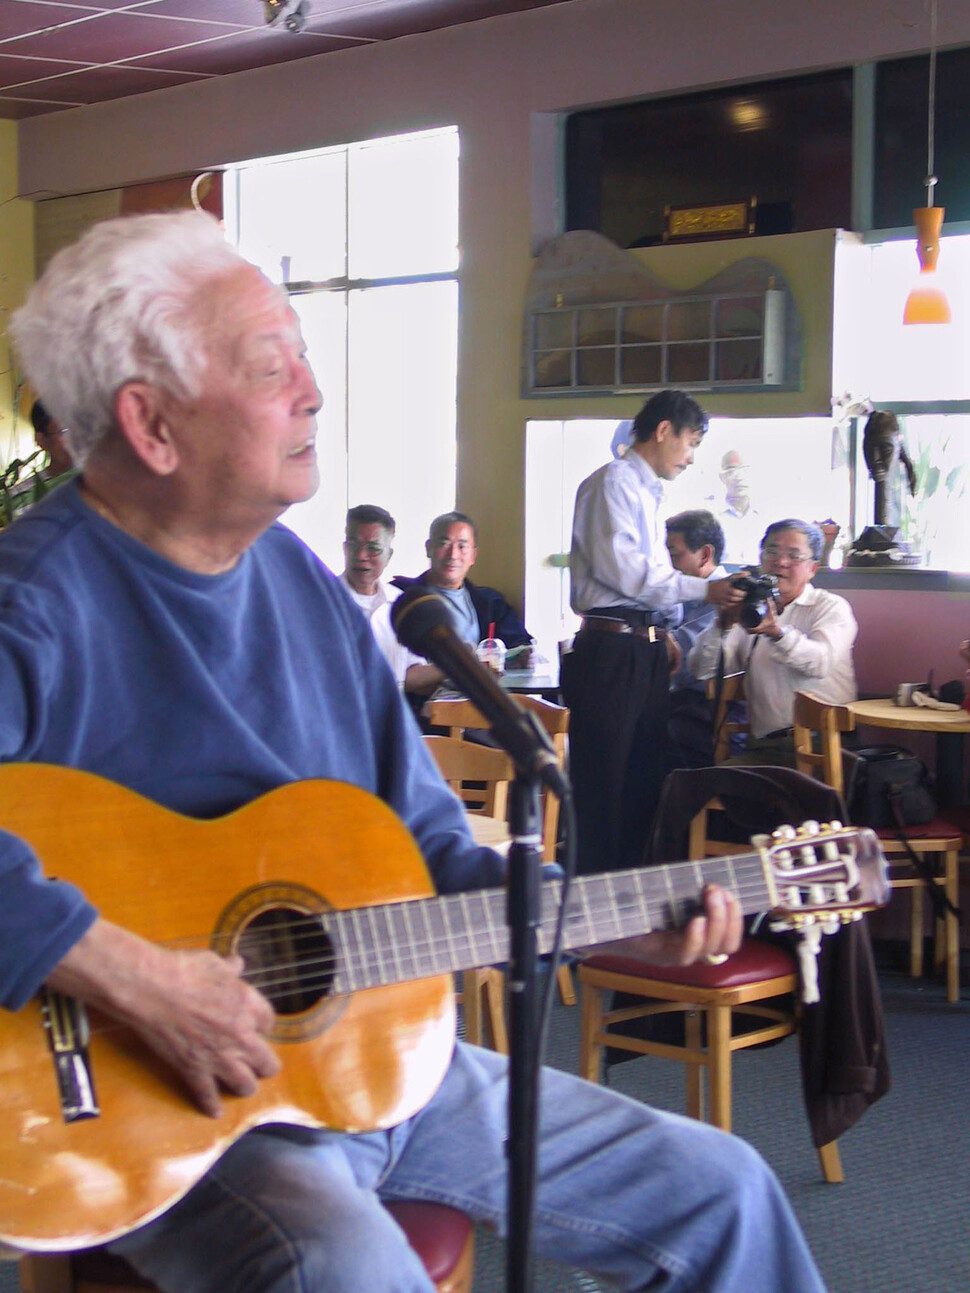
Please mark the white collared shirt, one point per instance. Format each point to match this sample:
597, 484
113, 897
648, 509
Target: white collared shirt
619, 554
377, 608
814, 654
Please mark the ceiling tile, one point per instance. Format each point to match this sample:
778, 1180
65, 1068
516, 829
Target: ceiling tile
98, 84
20, 16
261, 48
246, 13
110, 37
195, 38
15, 71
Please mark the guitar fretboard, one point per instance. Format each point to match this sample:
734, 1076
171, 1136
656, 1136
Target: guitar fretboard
398, 942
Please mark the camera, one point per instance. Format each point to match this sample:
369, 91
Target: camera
757, 589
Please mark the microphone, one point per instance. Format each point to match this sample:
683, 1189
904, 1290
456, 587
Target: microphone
423, 622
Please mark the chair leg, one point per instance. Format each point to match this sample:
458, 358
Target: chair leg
693, 1020
831, 1161
951, 938
495, 1003
471, 1000
719, 1053
916, 932
567, 989
590, 1023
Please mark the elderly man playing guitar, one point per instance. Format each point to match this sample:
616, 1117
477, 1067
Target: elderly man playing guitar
160, 629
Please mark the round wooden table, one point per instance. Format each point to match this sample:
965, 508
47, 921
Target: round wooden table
909, 718
948, 725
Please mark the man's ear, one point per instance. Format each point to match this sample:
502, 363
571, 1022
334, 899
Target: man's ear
707, 554
664, 429
144, 425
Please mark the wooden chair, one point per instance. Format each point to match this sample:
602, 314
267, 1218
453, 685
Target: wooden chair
442, 1237
478, 774
459, 715
818, 751
480, 777
732, 689
756, 982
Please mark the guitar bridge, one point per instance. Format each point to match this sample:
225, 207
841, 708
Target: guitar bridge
66, 1026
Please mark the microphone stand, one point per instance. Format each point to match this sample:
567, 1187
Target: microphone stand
524, 907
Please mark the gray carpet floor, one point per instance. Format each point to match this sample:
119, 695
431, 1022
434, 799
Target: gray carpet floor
901, 1221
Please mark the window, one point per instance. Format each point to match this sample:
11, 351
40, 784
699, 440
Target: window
786, 142
365, 239
935, 517
902, 93
559, 455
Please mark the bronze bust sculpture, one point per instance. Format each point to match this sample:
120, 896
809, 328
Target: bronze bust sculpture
885, 453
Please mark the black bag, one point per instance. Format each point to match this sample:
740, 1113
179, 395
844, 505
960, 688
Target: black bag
883, 773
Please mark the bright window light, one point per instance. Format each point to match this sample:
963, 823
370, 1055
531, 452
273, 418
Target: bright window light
560, 455
339, 226
923, 362
292, 217
403, 205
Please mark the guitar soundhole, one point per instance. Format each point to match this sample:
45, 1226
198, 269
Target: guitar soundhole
289, 957
280, 931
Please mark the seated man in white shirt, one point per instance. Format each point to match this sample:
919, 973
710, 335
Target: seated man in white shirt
802, 643
367, 550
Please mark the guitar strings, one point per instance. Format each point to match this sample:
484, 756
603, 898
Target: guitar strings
371, 956
372, 959
370, 953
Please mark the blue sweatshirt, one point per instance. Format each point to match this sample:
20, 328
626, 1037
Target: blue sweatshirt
200, 692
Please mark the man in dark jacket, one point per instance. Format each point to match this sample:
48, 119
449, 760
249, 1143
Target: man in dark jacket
452, 549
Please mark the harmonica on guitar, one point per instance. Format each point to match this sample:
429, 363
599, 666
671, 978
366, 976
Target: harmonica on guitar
323, 892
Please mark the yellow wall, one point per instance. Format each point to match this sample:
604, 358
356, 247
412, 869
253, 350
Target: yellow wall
16, 273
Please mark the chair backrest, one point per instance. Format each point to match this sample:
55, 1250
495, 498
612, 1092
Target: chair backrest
478, 774
816, 718
755, 801
732, 689
457, 715
700, 841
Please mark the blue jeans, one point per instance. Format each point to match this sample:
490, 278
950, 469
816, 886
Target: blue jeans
646, 1199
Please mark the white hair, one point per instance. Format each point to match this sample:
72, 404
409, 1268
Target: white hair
116, 307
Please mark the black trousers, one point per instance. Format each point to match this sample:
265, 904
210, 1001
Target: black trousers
616, 687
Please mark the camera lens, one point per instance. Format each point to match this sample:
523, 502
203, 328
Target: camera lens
752, 613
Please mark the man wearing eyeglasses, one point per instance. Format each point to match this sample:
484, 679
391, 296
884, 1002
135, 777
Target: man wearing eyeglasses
802, 643
367, 550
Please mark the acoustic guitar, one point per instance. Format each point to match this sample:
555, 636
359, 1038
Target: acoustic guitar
325, 895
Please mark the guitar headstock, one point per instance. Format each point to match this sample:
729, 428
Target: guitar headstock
822, 874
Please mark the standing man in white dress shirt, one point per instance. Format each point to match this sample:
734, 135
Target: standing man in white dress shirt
616, 678
802, 644
367, 550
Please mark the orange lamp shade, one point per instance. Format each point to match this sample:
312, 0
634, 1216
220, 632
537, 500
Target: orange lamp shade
927, 303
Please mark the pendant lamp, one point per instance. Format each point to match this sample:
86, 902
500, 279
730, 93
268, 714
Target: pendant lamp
927, 301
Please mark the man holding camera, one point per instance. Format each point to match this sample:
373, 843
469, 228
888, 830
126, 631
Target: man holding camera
785, 636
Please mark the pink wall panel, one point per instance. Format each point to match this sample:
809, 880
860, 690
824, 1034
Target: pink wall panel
902, 635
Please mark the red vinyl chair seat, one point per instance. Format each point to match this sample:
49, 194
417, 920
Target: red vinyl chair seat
751, 963
437, 1233
938, 828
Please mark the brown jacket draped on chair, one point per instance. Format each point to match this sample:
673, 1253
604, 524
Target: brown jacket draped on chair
844, 1063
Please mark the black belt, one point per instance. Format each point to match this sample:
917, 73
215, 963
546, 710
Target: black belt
652, 632
636, 616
